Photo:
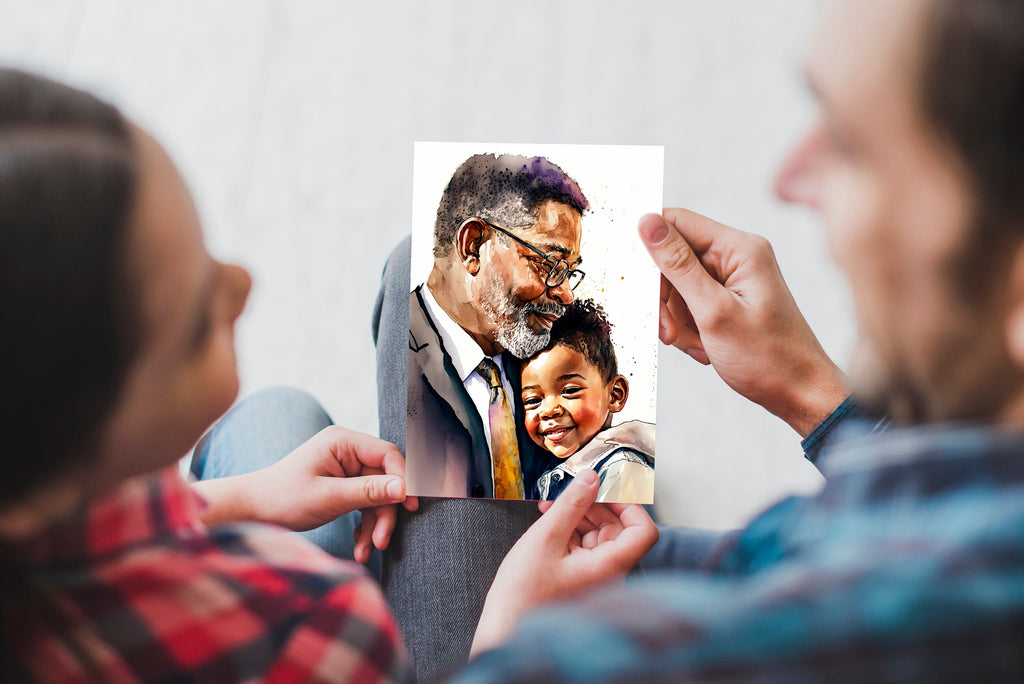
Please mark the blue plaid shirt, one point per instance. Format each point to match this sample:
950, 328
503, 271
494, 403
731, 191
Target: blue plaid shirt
908, 565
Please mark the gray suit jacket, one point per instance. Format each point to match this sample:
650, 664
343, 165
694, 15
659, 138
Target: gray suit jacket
446, 449
442, 558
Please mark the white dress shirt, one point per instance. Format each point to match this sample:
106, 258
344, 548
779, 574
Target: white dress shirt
466, 356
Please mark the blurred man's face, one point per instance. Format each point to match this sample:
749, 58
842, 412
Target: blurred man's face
899, 216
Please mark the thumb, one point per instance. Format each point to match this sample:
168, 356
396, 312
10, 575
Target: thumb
676, 259
570, 506
366, 491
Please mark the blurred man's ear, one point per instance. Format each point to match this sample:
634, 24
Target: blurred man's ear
468, 239
618, 391
1015, 315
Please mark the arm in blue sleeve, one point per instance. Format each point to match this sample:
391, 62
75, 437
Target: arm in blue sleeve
848, 420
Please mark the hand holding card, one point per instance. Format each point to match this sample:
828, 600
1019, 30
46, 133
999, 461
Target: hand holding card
576, 546
721, 288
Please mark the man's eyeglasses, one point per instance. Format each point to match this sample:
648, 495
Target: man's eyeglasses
559, 269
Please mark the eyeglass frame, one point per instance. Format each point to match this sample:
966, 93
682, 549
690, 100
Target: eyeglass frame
569, 270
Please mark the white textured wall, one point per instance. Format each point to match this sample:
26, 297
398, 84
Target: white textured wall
294, 121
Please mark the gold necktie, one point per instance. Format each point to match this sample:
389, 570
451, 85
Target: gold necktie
508, 474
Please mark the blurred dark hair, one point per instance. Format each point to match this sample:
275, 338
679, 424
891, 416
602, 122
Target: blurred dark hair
971, 89
584, 327
67, 188
503, 189
973, 93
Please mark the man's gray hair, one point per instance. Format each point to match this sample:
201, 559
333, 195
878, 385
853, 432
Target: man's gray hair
504, 189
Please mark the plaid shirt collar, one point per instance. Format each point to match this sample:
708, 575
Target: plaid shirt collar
138, 511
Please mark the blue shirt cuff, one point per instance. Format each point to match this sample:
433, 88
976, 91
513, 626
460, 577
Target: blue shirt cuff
812, 444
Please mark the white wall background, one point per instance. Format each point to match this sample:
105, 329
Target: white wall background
294, 120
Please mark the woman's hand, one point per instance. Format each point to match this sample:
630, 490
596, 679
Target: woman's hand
335, 472
725, 303
575, 546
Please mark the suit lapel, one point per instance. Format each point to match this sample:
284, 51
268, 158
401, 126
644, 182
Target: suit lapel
436, 365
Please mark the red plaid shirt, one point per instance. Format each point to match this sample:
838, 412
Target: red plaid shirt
134, 588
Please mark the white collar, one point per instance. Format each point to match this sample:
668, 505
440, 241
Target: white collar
464, 350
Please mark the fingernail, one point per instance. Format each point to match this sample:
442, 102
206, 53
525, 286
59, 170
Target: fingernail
653, 228
395, 488
587, 477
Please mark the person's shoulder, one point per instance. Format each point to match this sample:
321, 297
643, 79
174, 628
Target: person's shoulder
637, 435
632, 440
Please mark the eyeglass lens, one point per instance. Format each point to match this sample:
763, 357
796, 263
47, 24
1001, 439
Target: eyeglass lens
560, 272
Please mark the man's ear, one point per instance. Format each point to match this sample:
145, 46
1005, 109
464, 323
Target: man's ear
618, 391
470, 236
1015, 315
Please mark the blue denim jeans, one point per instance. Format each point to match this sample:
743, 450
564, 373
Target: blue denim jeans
260, 430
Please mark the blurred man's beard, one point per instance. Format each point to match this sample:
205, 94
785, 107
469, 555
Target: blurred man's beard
883, 390
511, 317
965, 376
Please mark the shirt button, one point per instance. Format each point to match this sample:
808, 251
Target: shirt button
556, 477
477, 491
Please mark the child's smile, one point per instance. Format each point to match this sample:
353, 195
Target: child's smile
556, 433
567, 401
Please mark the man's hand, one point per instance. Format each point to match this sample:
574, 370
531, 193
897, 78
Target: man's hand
725, 302
575, 546
335, 472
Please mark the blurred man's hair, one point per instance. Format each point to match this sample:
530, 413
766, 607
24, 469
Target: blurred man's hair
503, 189
972, 93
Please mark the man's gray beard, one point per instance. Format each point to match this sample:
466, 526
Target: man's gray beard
511, 316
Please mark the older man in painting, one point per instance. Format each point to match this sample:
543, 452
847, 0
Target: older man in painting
506, 259
506, 253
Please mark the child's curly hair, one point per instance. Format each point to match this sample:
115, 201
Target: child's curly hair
585, 328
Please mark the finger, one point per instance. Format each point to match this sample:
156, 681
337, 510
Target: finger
565, 514
364, 537
586, 526
679, 263
386, 516
349, 493
666, 289
354, 450
590, 539
636, 538
683, 319
600, 515
685, 337
634, 515
411, 503
698, 355
699, 231
544, 505
667, 327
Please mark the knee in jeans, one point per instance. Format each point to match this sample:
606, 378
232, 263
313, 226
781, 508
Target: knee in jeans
258, 431
283, 400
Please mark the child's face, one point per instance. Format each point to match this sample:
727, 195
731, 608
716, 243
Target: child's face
567, 401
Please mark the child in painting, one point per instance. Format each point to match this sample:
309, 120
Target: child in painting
570, 390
